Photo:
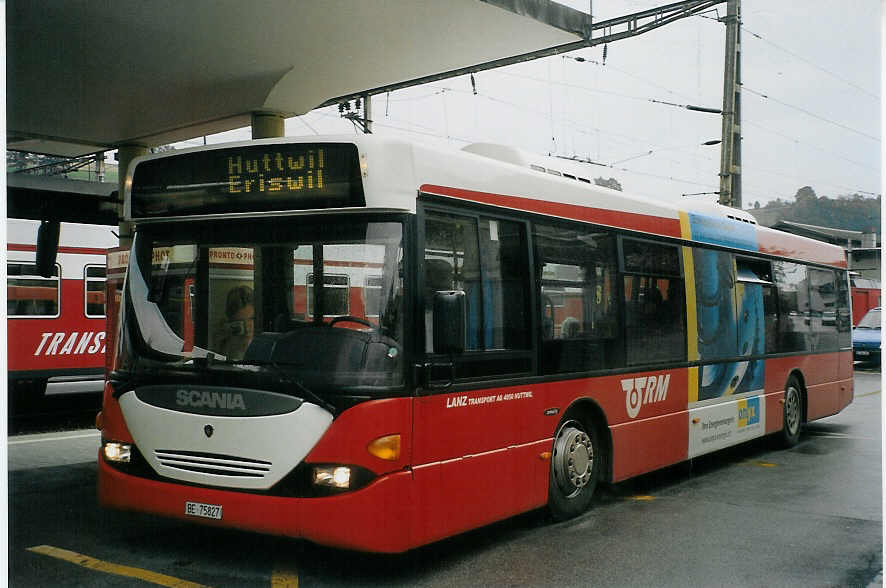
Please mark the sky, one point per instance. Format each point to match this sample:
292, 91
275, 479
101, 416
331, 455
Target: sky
810, 103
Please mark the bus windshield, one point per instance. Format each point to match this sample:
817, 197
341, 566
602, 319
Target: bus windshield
319, 299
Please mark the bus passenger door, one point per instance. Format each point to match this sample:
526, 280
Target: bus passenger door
474, 436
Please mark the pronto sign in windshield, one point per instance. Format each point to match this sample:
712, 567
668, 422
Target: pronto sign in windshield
253, 178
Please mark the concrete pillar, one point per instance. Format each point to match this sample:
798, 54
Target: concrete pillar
125, 155
267, 125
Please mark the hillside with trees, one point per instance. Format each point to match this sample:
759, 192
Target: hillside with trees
854, 212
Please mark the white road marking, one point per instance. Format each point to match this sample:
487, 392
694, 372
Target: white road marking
43, 439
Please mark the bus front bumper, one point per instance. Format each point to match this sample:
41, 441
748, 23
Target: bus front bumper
375, 518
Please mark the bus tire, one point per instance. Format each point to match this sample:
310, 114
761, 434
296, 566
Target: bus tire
576, 461
793, 413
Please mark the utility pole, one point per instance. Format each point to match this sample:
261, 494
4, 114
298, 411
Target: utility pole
367, 113
730, 154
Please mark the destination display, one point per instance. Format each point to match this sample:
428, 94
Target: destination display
252, 178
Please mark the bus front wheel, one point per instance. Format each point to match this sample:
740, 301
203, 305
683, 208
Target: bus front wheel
575, 469
793, 413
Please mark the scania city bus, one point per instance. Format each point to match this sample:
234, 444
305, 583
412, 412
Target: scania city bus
374, 344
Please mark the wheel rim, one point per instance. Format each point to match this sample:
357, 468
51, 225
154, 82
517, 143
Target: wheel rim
792, 410
573, 459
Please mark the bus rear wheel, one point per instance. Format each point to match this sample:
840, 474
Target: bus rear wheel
575, 469
793, 413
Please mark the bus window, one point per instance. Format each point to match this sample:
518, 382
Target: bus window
579, 310
655, 308
823, 308
94, 291
844, 318
793, 306
487, 259
715, 304
29, 294
452, 262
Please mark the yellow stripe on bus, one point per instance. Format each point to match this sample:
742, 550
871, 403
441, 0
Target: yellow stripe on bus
691, 313
111, 568
693, 384
685, 227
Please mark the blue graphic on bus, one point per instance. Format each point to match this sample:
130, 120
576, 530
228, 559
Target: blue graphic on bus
723, 231
748, 412
730, 324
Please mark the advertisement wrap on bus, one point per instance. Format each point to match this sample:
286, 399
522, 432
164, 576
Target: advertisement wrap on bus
374, 344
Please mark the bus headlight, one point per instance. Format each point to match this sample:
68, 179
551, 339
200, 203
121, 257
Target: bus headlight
332, 476
117, 452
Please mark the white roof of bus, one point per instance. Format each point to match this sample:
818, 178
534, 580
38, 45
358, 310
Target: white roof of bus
395, 170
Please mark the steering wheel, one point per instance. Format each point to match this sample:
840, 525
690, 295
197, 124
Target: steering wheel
351, 319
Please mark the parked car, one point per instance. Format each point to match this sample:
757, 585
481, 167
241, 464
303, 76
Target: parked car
866, 337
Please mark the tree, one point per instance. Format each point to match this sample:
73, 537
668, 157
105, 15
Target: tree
805, 193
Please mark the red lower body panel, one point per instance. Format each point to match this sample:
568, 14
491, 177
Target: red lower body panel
375, 518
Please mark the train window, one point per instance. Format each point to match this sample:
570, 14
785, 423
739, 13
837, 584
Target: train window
94, 291
29, 294
372, 295
336, 290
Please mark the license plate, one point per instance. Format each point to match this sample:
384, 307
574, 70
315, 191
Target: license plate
207, 511
862, 353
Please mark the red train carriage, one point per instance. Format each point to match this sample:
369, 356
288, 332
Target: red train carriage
56, 325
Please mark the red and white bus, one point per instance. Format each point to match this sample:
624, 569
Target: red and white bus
56, 325
374, 345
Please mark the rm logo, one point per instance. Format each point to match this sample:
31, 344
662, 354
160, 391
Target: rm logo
644, 390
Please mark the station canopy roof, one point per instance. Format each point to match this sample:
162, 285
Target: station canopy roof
85, 76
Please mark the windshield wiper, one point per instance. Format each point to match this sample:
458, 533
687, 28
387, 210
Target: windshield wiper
286, 378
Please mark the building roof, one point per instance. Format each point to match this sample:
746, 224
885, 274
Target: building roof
86, 76
829, 234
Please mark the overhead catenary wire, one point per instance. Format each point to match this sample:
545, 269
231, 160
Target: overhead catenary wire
581, 128
812, 64
809, 113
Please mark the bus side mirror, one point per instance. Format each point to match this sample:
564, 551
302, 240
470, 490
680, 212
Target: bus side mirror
449, 322
47, 247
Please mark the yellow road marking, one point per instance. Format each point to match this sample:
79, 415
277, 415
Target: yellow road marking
867, 394
284, 578
643, 498
112, 568
762, 464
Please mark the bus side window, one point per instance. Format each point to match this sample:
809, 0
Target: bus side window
487, 259
575, 275
655, 308
823, 308
791, 280
844, 319
715, 304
